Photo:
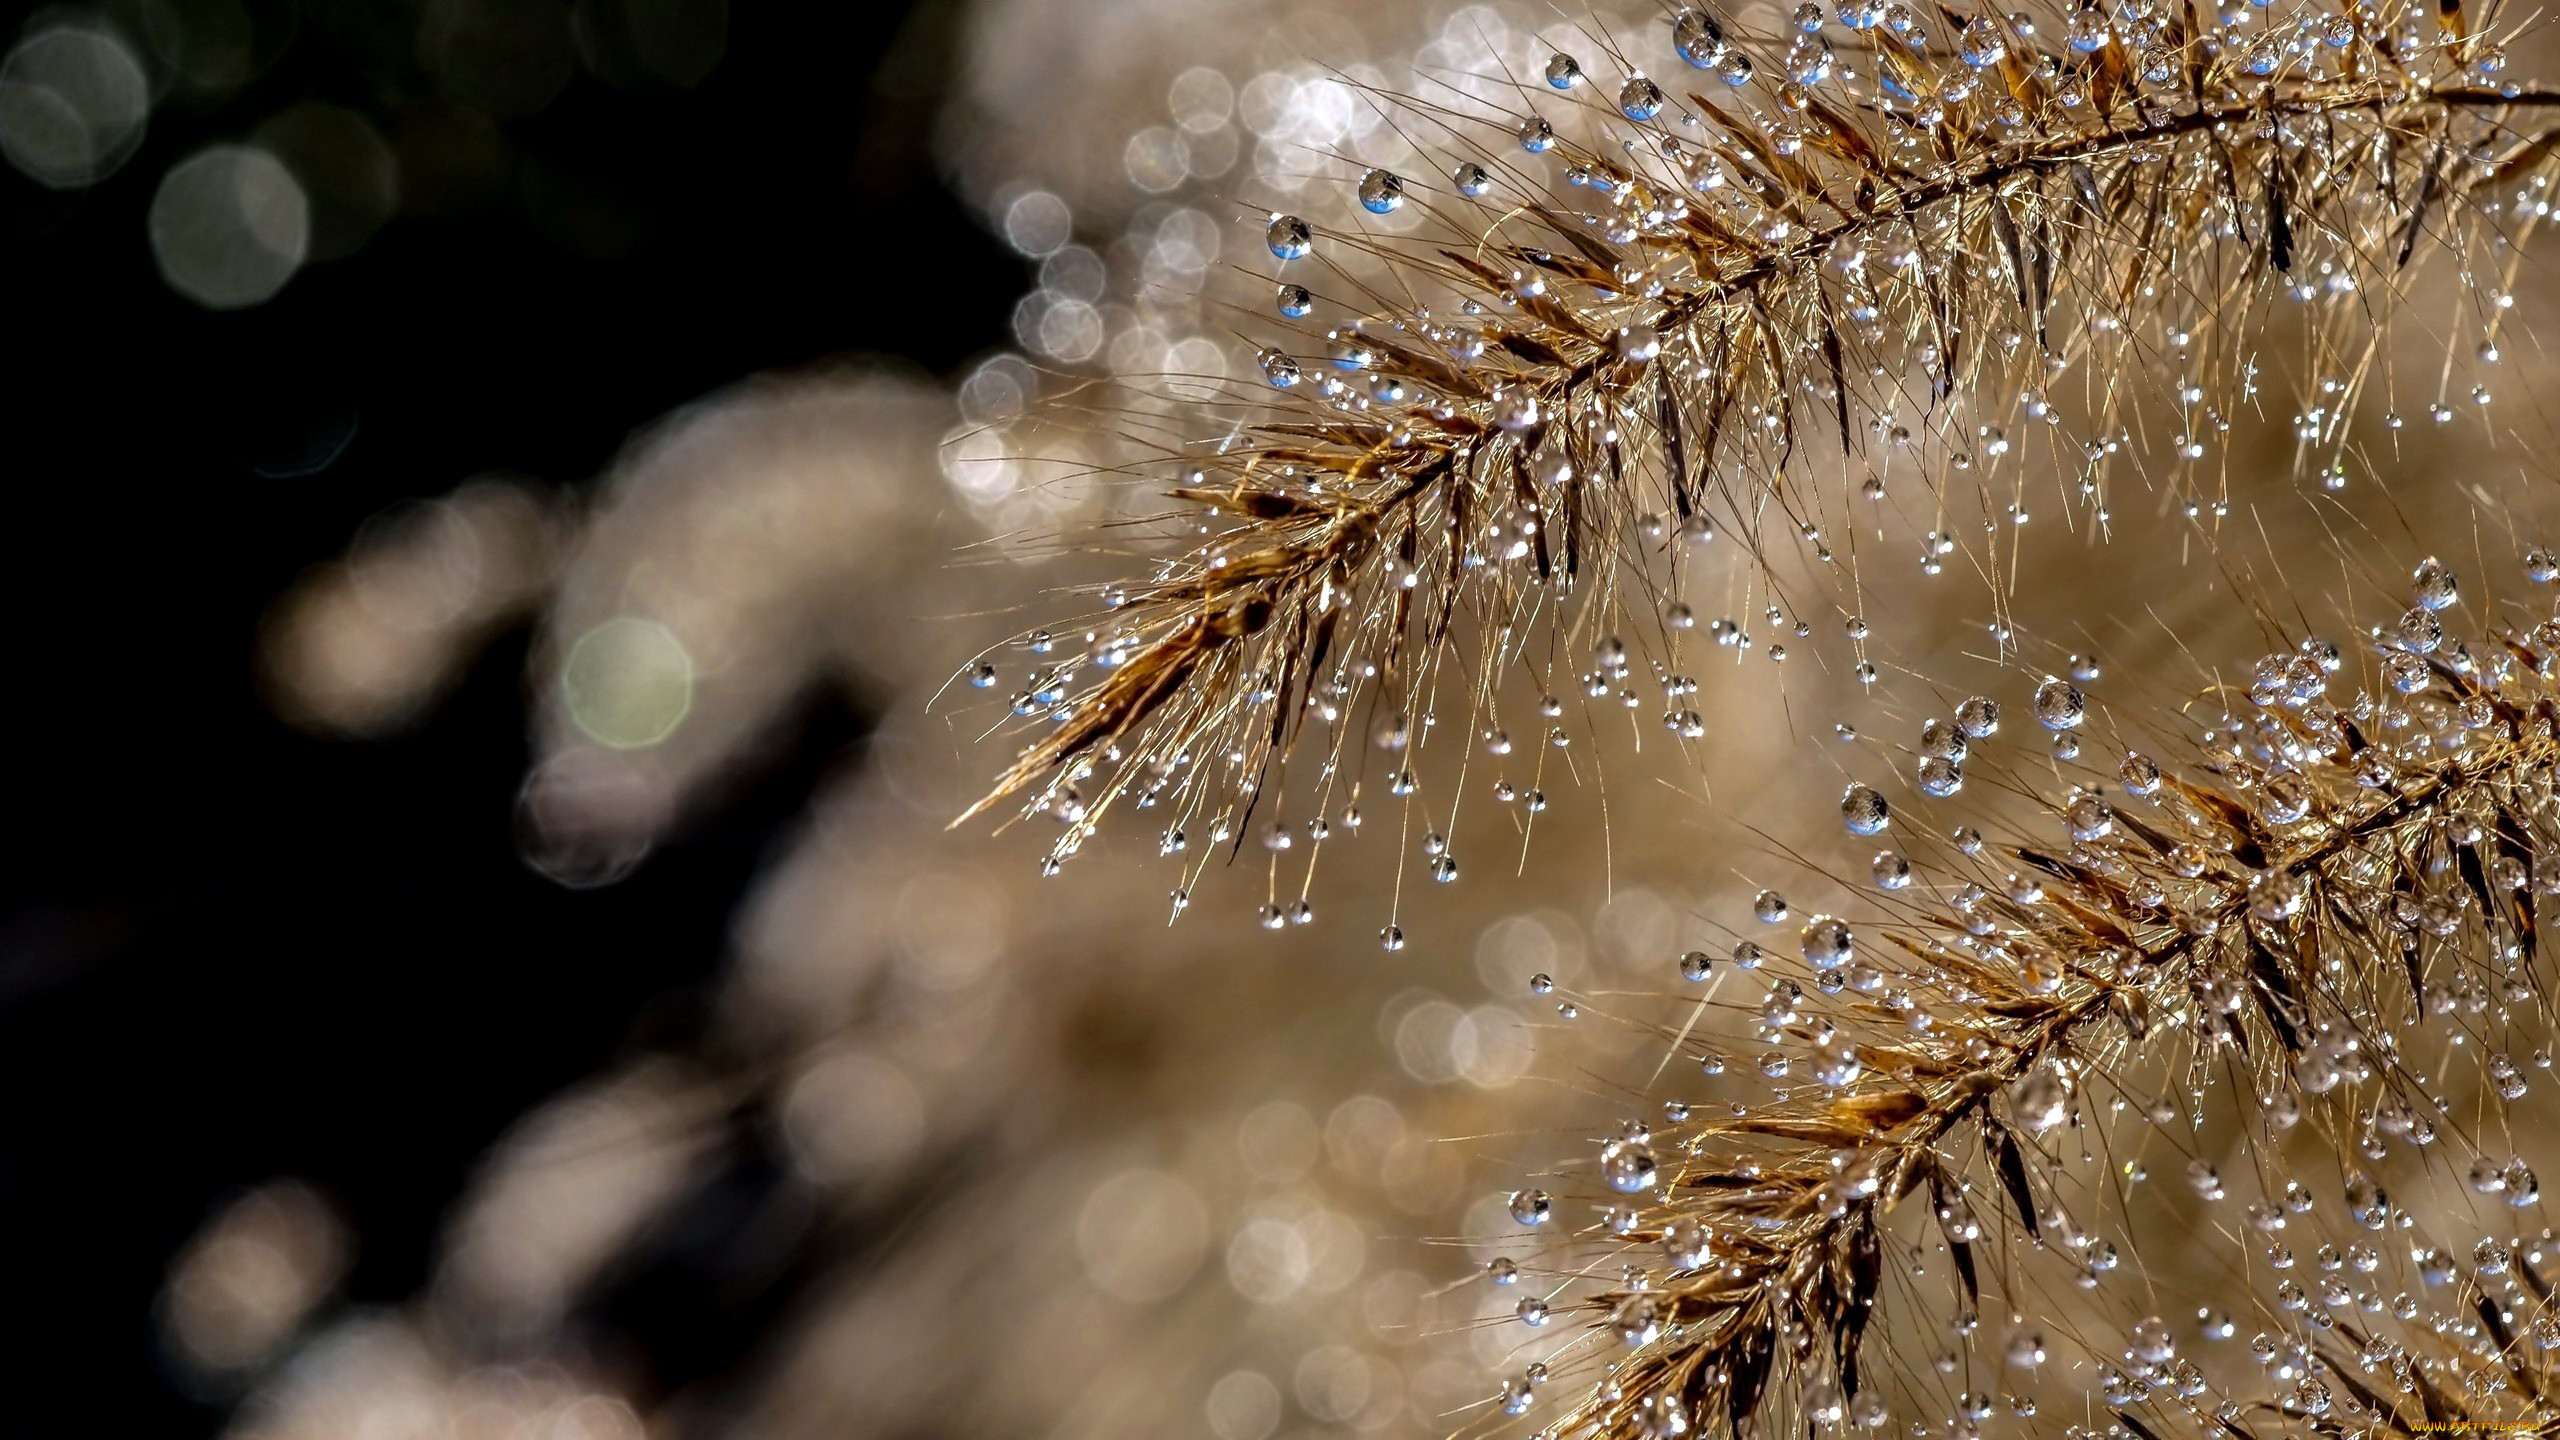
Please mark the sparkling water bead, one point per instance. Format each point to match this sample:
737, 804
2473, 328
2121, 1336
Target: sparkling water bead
2433, 587
1639, 98
2059, 704
1295, 301
1983, 44
1637, 1320
1627, 1166
1685, 1243
1531, 1207
1537, 136
1828, 942
1381, 193
1809, 60
1470, 179
1978, 717
1943, 740
1563, 71
1289, 236
2419, 632
1698, 38
1836, 1064
2038, 1100
1864, 810
1891, 870
1279, 369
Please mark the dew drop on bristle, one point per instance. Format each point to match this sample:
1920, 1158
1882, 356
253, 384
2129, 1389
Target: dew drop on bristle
2059, 704
1697, 38
1864, 811
2433, 587
1289, 237
1640, 98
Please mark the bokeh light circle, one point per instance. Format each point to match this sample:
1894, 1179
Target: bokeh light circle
628, 683
73, 101
229, 226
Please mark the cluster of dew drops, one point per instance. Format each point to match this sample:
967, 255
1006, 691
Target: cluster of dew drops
1810, 62
2339, 1282
1701, 41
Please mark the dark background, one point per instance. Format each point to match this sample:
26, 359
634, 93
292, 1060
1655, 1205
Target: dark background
229, 951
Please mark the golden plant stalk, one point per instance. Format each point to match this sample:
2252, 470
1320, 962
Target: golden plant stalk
2295, 923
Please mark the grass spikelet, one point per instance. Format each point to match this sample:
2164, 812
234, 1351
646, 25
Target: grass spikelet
1867, 289
2240, 1045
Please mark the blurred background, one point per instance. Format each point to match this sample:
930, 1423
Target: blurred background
499, 485
282, 275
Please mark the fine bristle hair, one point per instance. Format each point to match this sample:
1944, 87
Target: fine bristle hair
2232, 1029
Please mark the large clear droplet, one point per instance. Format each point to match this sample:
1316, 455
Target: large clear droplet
1381, 193
1639, 98
1289, 236
1698, 38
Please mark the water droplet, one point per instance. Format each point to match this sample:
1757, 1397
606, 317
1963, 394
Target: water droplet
2038, 1100
1698, 38
1289, 236
2059, 704
2433, 587
1627, 1166
1864, 810
1639, 98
